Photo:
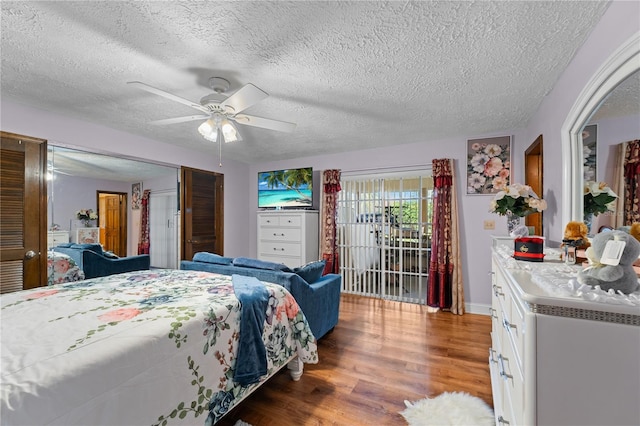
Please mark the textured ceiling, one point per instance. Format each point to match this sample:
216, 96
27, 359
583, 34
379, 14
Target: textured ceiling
352, 75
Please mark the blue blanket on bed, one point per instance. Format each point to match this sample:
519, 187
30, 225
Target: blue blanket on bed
251, 361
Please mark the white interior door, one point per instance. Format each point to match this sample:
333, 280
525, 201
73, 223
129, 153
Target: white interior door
163, 214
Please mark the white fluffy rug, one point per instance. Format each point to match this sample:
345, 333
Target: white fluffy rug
449, 408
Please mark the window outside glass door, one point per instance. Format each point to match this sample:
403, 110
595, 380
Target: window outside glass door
384, 235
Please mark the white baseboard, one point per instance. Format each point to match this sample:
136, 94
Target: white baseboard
477, 308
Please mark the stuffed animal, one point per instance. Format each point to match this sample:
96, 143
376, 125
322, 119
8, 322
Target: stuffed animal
621, 277
575, 232
635, 230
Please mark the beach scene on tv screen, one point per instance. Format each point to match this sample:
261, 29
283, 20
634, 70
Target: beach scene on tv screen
285, 188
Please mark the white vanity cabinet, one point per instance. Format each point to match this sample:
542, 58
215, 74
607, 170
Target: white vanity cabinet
560, 360
289, 237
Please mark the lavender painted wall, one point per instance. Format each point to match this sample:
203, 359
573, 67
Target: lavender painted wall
70, 194
73, 133
619, 23
611, 133
473, 210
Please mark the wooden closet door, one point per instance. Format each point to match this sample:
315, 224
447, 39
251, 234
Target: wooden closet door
202, 203
23, 215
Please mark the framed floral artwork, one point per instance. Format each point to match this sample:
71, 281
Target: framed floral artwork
488, 165
589, 151
136, 195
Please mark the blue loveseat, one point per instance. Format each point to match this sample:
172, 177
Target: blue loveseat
97, 263
317, 295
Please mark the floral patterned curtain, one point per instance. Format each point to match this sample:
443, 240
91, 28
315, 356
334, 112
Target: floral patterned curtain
445, 289
144, 243
328, 216
632, 182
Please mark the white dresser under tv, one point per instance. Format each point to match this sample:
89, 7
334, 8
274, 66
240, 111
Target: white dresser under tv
288, 236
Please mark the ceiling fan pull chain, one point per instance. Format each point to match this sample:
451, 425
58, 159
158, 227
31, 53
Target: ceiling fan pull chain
220, 152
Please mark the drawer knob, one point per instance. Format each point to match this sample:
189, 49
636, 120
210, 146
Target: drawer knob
497, 290
278, 235
278, 249
502, 421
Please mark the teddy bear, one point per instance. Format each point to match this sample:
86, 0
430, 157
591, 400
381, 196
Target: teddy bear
576, 233
621, 277
635, 230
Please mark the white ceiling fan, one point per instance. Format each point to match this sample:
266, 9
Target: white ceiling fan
220, 112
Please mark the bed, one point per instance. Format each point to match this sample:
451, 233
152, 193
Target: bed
154, 347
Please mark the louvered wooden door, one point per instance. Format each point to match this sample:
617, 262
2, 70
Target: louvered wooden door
23, 218
203, 212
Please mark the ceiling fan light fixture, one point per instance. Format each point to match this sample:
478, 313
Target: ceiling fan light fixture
209, 130
229, 131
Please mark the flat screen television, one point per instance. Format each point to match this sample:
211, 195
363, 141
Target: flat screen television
286, 189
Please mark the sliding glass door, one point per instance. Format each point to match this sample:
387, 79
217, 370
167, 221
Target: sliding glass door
384, 235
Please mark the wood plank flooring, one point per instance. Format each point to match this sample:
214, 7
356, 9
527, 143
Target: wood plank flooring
380, 353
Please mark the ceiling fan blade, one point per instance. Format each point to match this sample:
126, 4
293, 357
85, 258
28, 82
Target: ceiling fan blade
246, 96
167, 95
265, 123
179, 120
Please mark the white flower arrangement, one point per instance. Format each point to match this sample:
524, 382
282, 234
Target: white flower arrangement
598, 198
86, 214
518, 200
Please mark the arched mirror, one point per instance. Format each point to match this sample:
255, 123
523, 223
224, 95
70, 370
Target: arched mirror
620, 66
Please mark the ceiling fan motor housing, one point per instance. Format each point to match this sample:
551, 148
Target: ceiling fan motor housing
219, 84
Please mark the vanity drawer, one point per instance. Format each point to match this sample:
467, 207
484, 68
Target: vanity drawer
515, 326
513, 384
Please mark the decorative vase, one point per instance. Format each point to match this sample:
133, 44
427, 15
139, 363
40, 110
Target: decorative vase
512, 222
588, 220
87, 223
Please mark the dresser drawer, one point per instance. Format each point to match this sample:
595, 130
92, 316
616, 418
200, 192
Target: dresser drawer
291, 262
280, 220
280, 234
513, 383
514, 324
280, 249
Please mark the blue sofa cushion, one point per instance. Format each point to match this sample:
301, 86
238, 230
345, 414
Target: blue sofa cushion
94, 247
320, 301
110, 255
311, 272
203, 256
260, 264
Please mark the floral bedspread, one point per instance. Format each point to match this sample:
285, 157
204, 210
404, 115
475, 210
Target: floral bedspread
61, 268
140, 348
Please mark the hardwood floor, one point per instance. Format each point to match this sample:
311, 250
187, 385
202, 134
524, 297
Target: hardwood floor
379, 354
